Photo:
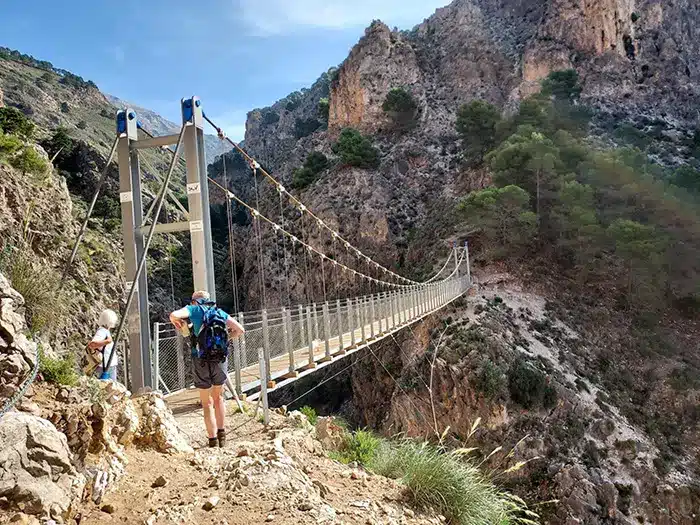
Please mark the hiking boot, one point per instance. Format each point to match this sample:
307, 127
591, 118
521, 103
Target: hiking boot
221, 436
212, 442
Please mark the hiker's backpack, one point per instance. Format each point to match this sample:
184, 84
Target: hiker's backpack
212, 340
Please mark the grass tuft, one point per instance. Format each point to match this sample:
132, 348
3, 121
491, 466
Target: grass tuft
60, 371
310, 414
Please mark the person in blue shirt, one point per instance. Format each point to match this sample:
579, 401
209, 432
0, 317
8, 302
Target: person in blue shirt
209, 377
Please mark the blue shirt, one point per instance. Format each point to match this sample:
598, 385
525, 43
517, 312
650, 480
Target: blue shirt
197, 316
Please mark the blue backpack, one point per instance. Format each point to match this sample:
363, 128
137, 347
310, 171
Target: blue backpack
212, 341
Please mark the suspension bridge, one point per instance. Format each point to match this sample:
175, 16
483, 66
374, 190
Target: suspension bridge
282, 342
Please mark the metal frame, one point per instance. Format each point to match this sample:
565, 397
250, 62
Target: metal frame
134, 223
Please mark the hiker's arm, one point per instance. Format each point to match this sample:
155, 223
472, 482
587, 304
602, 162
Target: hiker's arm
178, 317
234, 327
99, 345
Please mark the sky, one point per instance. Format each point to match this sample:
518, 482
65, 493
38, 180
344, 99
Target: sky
235, 55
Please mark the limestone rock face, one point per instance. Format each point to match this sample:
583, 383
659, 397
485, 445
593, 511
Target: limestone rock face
17, 354
37, 474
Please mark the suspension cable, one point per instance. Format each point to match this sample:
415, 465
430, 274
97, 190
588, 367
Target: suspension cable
284, 249
304, 209
261, 262
231, 245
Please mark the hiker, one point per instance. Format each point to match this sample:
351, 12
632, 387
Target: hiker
211, 328
102, 344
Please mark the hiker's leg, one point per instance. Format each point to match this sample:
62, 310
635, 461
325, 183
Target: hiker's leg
217, 393
208, 408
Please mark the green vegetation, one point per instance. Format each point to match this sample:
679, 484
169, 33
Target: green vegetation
477, 124
82, 125
9, 145
293, 101
562, 85
305, 127
401, 108
14, 122
490, 379
37, 284
324, 109
66, 77
607, 216
450, 483
504, 214
354, 149
360, 447
314, 165
29, 161
60, 371
529, 387
310, 414
269, 117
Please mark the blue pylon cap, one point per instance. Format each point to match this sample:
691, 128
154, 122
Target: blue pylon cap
132, 115
198, 103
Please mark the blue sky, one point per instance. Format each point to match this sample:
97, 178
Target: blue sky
234, 54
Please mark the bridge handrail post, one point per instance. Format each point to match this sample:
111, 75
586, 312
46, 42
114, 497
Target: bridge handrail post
287, 329
341, 342
372, 315
237, 364
242, 339
351, 320
327, 329
314, 311
363, 317
310, 330
392, 310
414, 302
263, 386
266, 343
180, 342
383, 326
156, 356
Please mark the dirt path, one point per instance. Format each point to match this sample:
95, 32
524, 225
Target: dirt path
280, 475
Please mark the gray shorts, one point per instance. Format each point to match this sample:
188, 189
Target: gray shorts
207, 373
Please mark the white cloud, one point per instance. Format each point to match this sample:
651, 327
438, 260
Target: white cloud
277, 17
232, 122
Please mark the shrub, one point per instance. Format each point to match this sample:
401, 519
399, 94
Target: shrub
315, 163
562, 85
476, 125
324, 109
14, 122
528, 386
9, 145
490, 379
355, 149
38, 285
65, 108
61, 142
449, 484
310, 414
61, 371
293, 101
360, 447
269, 117
305, 127
401, 107
82, 125
29, 161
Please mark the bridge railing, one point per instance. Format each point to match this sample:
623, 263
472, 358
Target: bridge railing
300, 338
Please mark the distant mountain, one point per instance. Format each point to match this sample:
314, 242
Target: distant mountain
158, 125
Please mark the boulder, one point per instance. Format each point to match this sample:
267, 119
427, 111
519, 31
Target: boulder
329, 433
37, 475
157, 425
